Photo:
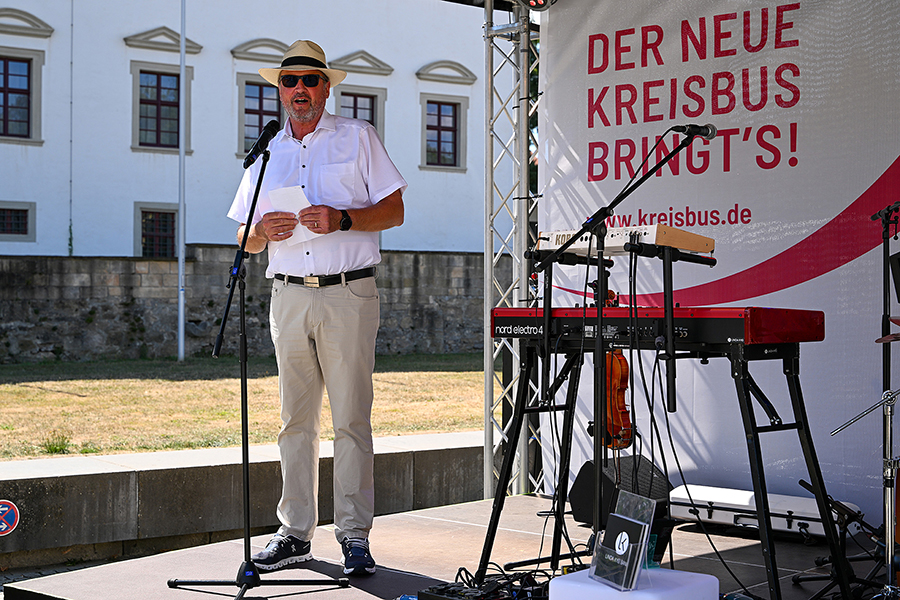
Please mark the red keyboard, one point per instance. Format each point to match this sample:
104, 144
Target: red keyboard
693, 326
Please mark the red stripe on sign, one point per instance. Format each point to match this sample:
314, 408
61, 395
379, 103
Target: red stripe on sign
848, 236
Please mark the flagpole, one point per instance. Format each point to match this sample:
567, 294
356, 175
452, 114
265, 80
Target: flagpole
182, 137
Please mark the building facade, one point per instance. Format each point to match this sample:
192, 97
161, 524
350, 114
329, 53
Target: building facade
90, 105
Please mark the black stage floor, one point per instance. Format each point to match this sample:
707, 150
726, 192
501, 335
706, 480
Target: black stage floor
417, 550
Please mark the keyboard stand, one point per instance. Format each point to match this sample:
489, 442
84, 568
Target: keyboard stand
740, 356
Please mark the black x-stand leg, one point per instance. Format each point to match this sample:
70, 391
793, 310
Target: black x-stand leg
570, 371
746, 390
248, 574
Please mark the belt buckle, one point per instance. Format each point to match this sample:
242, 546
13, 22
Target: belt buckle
312, 282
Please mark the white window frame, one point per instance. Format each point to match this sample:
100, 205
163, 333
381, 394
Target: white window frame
380, 95
136, 68
462, 141
37, 63
242, 80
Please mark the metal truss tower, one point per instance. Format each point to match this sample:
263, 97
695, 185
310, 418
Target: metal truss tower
511, 60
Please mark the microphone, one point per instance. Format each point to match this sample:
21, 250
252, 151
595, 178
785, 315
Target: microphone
707, 132
268, 132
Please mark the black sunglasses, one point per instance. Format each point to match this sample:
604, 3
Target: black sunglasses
309, 80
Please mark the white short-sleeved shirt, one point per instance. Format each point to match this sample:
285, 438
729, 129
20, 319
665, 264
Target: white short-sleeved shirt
342, 164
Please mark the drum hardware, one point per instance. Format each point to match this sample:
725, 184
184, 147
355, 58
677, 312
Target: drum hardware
847, 516
889, 469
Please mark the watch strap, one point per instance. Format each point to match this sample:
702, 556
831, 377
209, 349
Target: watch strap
346, 221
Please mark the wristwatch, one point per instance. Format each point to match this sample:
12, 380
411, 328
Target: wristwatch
346, 221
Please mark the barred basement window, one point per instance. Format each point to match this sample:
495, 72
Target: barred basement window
13, 221
157, 234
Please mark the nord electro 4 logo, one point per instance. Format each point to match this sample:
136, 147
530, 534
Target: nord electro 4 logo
518, 330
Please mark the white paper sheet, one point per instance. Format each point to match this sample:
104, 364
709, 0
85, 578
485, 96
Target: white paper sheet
292, 199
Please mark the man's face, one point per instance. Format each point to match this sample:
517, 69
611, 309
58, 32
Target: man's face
302, 103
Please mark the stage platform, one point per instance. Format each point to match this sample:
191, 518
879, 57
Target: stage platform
416, 550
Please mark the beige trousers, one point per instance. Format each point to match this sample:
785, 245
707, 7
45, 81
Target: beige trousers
325, 339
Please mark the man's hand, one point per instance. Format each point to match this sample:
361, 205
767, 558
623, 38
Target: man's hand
319, 218
275, 226
386, 213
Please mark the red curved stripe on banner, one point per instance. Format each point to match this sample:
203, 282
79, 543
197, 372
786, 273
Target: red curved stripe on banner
848, 236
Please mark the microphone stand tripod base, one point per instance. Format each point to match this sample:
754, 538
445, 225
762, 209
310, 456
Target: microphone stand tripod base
891, 592
248, 575
248, 578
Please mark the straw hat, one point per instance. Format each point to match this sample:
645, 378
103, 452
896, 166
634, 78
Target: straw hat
303, 55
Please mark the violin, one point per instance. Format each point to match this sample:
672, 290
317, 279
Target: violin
619, 433
618, 420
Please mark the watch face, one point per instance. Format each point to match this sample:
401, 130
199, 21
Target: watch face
346, 221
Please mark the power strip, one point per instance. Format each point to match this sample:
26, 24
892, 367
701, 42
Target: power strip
458, 591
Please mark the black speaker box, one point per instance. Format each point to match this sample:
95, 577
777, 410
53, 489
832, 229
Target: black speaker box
638, 476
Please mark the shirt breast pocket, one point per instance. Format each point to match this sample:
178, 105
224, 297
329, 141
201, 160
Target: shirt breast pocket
335, 184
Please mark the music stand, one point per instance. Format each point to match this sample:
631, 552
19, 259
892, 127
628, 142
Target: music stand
248, 573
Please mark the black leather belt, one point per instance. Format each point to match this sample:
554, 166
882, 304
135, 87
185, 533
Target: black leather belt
317, 281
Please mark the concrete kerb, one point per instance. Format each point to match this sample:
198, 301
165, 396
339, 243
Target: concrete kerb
89, 508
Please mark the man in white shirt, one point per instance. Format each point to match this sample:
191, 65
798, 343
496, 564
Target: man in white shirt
325, 311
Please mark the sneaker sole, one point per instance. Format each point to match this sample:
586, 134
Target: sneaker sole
283, 563
360, 571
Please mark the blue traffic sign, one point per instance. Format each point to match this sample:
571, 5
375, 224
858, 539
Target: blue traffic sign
9, 517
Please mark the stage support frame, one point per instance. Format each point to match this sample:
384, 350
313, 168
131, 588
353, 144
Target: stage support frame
511, 56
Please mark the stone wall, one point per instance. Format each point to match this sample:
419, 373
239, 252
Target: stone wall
76, 308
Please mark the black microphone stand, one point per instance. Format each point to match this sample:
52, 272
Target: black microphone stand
888, 217
596, 226
248, 574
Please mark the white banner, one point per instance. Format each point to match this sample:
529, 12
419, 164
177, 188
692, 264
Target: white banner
806, 100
